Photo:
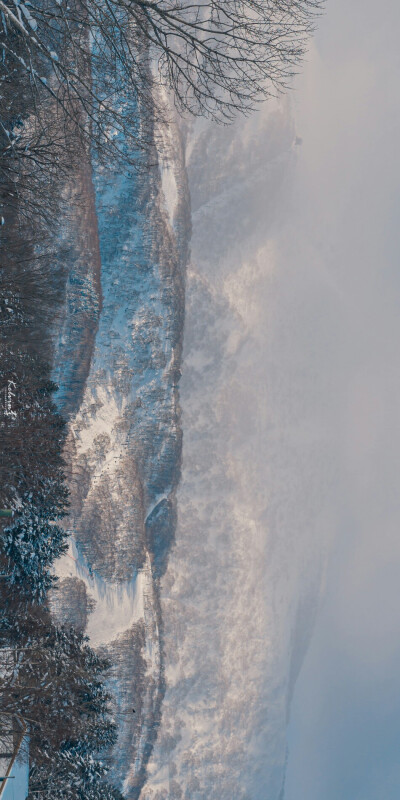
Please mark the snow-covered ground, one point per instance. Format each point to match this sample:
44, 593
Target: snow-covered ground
124, 439
117, 605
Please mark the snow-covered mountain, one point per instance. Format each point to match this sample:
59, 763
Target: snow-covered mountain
202, 592
240, 591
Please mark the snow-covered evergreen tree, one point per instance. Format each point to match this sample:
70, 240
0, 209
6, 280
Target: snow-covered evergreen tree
31, 545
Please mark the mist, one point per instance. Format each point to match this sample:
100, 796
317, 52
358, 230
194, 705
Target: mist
259, 458
345, 717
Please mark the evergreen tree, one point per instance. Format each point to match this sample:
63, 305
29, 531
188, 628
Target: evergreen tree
49, 675
33, 434
31, 546
56, 682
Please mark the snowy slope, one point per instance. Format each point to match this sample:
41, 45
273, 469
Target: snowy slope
124, 442
239, 595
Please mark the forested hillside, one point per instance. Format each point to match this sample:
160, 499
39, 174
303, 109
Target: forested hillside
49, 674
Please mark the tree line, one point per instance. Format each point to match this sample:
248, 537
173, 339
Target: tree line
49, 674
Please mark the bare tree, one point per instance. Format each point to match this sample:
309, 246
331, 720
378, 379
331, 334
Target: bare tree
100, 60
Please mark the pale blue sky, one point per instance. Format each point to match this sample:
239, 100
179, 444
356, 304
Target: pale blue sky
344, 736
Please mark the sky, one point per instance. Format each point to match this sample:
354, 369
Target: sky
344, 730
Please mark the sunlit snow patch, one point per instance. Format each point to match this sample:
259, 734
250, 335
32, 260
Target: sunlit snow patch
118, 605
